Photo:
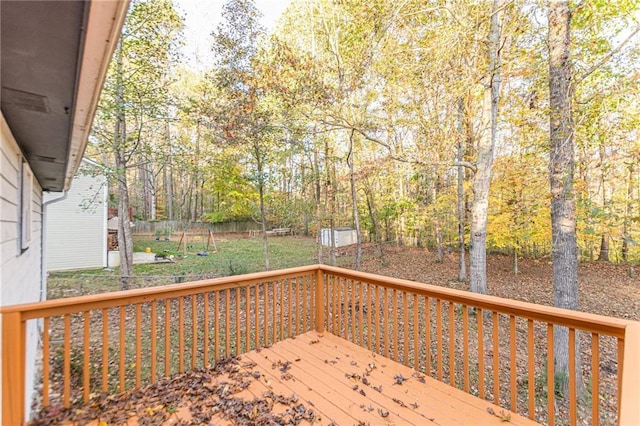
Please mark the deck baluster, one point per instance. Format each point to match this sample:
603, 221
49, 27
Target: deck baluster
154, 340
122, 347
439, 337
595, 378
67, 361
45, 362
452, 345
205, 330
194, 330
167, 337
531, 369
138, 345
416, 331
513, 367
105, 349
396, 335
181, 333
480, 318
551, 387
573, 403
465, 346
238, 331
85, 362
496, 357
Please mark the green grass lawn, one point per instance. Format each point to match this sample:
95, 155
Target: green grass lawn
234, 256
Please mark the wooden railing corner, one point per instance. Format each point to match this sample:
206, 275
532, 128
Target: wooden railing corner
630, 372
13, 368
319, 300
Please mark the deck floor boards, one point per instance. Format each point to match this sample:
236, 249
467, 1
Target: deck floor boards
338, 379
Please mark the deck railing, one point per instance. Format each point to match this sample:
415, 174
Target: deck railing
497, 349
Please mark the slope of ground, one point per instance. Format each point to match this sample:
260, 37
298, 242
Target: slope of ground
605, 289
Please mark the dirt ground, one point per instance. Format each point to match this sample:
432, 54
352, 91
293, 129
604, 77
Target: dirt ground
605, 288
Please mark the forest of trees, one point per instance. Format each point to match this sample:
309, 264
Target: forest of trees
503, 125
419, 123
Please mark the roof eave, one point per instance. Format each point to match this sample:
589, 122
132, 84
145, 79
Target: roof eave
104, 24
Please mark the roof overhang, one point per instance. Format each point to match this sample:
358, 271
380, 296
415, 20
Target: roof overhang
54, 60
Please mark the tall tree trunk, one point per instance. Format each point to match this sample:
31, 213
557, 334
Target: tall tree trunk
627, 216
263, 215
462, 266
439, 239
125, 240
603, 256
401, 220
377, 232
331, 198
318, 194
436, 219
354, 202
152, 193
170, 188
196, 174
143, 184
563, 208
484, 163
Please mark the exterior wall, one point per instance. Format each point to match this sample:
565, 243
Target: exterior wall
76, 227
20, 270
341, 237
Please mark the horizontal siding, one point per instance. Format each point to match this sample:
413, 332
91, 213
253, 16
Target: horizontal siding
8, 190
8, 231
20, 272
9, 213
76, 227
10, 161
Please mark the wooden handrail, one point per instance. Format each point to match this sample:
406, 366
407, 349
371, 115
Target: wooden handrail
558, 316
126, 297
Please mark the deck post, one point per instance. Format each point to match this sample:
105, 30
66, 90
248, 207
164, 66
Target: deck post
319, 300
630, 371
13, 368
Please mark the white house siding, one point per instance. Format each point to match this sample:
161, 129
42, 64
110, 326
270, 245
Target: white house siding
76, 227
20, 271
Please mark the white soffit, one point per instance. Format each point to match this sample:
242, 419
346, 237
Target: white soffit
104, 24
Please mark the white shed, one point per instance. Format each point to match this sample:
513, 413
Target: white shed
342, 236
77, 224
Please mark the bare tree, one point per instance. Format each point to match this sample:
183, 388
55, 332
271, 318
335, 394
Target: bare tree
484, 162
563, 207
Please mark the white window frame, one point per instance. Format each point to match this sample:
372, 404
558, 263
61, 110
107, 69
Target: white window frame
26, 201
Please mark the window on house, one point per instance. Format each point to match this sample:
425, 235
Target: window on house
26, 197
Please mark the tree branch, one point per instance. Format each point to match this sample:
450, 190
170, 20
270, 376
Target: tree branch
466, 164
606, 57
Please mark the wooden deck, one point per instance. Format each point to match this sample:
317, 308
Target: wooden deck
128, 373
343, 384
349, 385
